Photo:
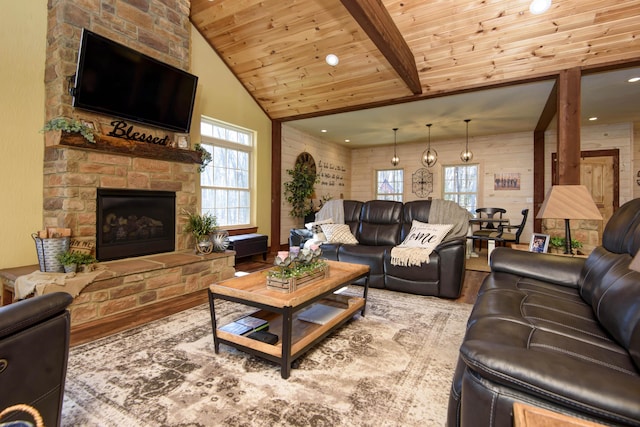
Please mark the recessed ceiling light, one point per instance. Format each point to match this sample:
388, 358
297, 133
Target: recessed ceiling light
323, 131
593, 119
539, 6
634, 79
347, 140
332, 60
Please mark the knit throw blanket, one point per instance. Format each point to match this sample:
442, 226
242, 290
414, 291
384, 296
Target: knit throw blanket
40, 283
441, 212
332, 209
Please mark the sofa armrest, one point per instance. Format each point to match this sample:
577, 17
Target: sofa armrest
559, 270
23, 314
298, 236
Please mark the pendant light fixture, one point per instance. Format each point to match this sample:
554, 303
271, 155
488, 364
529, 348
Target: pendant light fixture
466, 155
429, 156
395, 159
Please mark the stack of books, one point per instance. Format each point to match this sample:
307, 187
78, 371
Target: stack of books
246, 325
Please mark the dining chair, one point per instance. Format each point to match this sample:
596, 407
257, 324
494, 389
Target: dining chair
511, 233
487, 228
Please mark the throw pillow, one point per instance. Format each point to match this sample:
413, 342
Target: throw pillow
419, 243
424, 235
339, 233
316, 229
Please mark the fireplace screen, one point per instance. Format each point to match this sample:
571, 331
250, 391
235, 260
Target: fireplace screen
134, 223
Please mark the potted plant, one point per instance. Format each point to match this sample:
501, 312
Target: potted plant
298, 191
557, 244
201, 226
69, 261
65, 124
86, 261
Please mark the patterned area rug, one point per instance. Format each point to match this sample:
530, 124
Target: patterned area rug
392, 367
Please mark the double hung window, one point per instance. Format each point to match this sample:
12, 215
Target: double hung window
225, 182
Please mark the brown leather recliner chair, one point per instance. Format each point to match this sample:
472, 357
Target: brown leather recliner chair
34, 348
556, 332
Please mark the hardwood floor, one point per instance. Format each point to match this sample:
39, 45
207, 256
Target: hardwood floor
89, 332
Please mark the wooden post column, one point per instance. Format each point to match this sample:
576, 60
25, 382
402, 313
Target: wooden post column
569, 127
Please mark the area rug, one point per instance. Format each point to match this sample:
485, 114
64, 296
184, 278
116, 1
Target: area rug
392, 367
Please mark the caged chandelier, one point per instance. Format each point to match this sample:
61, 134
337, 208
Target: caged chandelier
466, 155
429, 156
395, 159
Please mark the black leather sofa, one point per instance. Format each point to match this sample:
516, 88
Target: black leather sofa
34, 348
379, 225
555, 332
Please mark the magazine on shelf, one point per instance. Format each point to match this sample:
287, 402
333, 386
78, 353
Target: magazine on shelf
319, 313
246, 325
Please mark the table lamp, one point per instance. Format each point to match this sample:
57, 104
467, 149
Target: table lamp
568, 202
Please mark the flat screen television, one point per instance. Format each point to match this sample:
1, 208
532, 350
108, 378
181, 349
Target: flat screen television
118, 81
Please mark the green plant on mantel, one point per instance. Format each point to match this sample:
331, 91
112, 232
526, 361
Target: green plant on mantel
66, 124
205, 157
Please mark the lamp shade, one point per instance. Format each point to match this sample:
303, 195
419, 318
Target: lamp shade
569, 202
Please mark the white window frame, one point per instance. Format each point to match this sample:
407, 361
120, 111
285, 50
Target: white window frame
466, 199
235, 139
397, 196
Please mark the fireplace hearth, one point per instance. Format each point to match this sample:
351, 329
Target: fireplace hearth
133, 223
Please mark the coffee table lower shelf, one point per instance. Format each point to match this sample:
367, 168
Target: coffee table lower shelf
295, 337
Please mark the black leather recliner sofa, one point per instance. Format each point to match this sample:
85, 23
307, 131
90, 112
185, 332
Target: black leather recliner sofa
34, 348
556, 332
379, 225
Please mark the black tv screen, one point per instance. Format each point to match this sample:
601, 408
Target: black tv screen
116, 80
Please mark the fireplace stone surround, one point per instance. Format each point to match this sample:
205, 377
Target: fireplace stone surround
72, 176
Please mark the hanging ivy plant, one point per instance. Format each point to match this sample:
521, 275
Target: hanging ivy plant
205, 157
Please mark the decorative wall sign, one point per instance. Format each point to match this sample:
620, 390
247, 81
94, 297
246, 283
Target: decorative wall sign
422, 182
120, 130
506, 181
331, 175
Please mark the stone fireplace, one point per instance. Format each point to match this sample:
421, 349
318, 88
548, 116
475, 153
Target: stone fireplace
132, 223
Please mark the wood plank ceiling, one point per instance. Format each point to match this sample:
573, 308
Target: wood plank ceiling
277, 48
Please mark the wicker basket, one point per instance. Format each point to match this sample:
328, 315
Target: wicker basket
39, 422
48, 249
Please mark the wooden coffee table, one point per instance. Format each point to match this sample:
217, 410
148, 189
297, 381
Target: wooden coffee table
280, 309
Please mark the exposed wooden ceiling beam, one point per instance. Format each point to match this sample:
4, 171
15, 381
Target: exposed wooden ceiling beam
375, 20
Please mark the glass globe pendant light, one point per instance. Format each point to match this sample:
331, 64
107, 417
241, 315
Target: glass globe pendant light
466, 155
395, 159
429, 156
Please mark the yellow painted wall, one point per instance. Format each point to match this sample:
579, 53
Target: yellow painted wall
23, 27
221, 96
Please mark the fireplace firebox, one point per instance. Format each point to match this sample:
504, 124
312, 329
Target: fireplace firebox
133, 223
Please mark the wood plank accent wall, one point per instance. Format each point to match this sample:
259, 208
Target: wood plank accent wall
333, 163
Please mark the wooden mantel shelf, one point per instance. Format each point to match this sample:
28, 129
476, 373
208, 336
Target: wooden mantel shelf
121, 146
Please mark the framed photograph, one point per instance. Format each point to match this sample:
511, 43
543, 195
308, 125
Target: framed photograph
506, 181
95, 126
181, 140
539, 243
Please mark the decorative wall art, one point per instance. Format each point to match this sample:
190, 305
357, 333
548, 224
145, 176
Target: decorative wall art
422, 182
331, 175
506, 181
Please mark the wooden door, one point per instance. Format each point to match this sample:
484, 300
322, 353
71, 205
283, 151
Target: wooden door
600, 173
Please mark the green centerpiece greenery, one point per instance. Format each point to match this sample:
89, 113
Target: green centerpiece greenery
297, 264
